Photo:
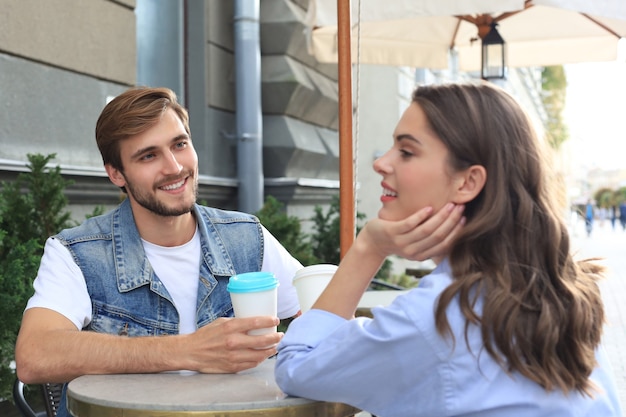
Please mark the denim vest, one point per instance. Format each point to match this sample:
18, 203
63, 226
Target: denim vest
128, 298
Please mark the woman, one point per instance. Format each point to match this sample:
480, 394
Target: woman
507, 324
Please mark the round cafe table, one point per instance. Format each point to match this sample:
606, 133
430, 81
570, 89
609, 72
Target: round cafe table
248, 393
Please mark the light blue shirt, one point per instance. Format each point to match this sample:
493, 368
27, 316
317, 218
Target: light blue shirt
397, 364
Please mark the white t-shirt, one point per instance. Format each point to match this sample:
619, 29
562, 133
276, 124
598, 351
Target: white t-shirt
60, 284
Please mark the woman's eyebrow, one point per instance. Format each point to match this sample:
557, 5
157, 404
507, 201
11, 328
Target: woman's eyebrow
406, 136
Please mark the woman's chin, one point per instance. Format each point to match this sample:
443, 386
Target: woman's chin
389, 215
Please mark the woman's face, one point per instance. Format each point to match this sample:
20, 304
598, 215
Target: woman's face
415, 170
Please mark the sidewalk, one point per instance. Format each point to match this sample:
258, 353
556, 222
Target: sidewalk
610, 245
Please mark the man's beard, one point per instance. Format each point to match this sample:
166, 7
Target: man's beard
150, 202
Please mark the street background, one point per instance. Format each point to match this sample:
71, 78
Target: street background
610, 244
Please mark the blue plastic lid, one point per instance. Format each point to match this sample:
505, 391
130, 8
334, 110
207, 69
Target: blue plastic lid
252, 282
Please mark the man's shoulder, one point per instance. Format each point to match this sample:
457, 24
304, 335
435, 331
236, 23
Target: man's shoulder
97, 225
216, 215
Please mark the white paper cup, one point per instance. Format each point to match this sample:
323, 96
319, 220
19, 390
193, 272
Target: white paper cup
310, 282
254, 294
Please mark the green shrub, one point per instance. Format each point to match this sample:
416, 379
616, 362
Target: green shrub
322, 246
31, 209
287, 230
326, 237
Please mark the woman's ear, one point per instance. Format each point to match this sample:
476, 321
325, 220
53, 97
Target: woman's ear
115, 175
470, 183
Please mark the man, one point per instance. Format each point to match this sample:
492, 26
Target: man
157, 265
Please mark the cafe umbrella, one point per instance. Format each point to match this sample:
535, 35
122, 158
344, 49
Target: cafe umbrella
421, 34
433, 33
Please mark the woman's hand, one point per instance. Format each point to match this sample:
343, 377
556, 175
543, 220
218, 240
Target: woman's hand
417, 237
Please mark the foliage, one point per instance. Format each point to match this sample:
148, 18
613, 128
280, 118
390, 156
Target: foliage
31, 209
97, 211
554, 85
326, 242
605, 197
18, 264
403, 280
34, 203
322, 246
620, 195
286, 229
326, 239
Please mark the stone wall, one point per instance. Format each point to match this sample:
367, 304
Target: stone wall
61, 60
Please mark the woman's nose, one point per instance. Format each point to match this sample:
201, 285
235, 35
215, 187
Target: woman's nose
380, 164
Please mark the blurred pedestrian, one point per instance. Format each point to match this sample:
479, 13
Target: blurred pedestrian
622, 214
614, 211
589, 217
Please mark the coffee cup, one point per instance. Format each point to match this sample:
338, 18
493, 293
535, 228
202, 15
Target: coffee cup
310, 282
254, 294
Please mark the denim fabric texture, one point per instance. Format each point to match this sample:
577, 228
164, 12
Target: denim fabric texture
127, 296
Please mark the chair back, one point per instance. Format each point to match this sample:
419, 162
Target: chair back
51, 399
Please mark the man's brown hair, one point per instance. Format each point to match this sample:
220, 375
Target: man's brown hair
132, 113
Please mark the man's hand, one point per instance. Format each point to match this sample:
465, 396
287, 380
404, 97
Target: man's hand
51, 349
224, 346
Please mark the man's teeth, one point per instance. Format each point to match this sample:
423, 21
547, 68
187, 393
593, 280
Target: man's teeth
174, 186
389, 193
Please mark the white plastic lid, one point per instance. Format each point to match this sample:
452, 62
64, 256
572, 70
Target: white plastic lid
315, 270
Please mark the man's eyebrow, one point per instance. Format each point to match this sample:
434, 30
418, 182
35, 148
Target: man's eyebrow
181, 136
147, 149
141, 151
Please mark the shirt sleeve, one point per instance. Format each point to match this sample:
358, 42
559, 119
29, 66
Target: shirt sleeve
60, 285
278, 260
325, 357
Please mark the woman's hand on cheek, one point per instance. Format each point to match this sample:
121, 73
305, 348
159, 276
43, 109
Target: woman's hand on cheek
419, 236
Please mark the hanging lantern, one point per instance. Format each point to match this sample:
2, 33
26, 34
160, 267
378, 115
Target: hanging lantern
493, 64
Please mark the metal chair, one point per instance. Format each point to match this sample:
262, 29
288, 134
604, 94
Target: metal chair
51, 398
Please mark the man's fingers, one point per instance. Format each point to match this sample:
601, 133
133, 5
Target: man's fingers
245, 324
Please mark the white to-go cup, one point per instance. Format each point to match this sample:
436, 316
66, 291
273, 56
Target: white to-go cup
254, 294
310, 282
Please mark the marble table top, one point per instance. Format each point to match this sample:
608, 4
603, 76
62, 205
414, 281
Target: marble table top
184, 393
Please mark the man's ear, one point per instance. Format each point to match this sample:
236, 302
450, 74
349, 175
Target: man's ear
470, 183
115, 175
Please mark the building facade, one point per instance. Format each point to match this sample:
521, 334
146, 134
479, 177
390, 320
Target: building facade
62, 60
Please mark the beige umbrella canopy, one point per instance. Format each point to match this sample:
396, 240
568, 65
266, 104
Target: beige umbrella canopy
422, 34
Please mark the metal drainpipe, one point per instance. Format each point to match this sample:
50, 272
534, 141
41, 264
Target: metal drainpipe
249, 130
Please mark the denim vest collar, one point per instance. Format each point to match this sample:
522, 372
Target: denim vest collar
126, 239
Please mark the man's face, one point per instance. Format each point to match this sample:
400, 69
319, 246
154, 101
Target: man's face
160, 169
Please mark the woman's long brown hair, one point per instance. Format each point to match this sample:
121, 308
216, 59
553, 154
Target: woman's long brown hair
542, 311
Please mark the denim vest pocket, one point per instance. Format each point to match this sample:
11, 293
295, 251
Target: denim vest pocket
114, 320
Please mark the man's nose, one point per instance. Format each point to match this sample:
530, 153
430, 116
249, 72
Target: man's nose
171, 164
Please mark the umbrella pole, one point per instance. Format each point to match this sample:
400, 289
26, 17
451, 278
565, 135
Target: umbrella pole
347, 212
